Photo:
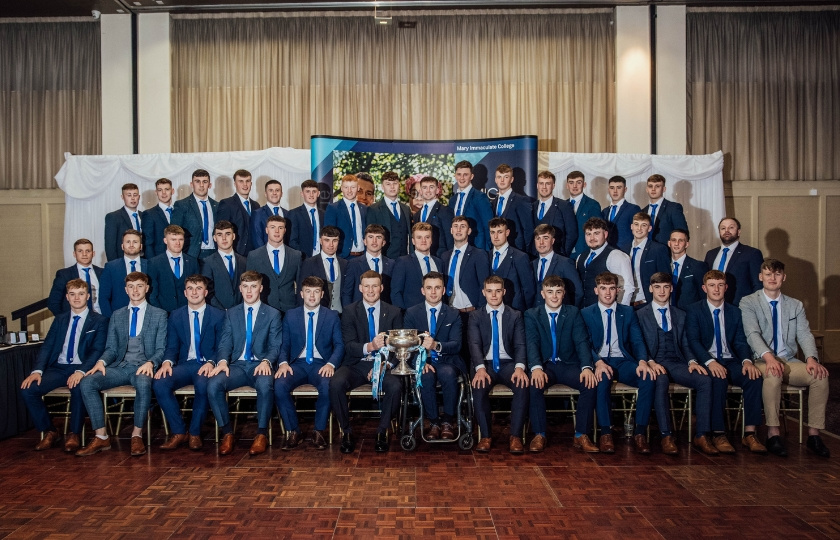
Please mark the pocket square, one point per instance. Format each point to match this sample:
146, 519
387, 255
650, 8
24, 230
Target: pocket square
90, 331
688, 276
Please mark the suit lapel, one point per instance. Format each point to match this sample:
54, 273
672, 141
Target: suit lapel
320, 325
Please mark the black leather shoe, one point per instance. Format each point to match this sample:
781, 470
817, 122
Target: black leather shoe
815, 444
776, 446
348, 443
291, 441
381, 442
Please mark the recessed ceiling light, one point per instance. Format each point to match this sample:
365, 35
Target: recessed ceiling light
120, 11
137, 3
159, 2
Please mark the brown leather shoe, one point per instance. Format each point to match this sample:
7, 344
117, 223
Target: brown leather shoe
51, 438
669, 446
585, 443
260, 444
291, 440
175, 441
642, 446
722, 445
137, 446
484, 445
71, 442
702, 443
195, 442
751, 442
95, 445
516, 446
226, 446
606, 444
447, 431
537, 444
319, 441
434, 432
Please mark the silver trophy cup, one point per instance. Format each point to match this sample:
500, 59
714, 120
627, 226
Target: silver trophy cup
402, 343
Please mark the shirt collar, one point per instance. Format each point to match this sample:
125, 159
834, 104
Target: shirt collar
502, 249
549, 311
243, 199
779, 299
132, 212
617, 204
142, 305
83, 314
489, 309
657, 306
603, 308
80, 267
165, 206
577, 198
731, 246
368, 306
658, 201
506, 194
681, 260
223, 254
466, 190
272, 248
641, 243
712, 307
599, 250
547, 258
309, 207
199, 310
256, 305
197, 198
170, 254
430, 306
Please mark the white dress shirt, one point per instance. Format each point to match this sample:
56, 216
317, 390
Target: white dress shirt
506, 196
141, 316
358, 242
256, 305
618, 263
420, 258
376, 313
459, 299
613, 349
94, 285
732, 247
281, 255
62, 358
503, 354
210, 244
781, 348
726, 353
164, 207
128, 260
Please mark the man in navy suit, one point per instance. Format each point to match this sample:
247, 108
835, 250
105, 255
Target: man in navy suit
436, 215
279, 265
364, 325
310, 354
192, 348
619, 214
515, 208
721, 346
584, 206
169, 270
550, 263
600, 257
373, 259
248, 351
512, 265
83, 269
557, 212
647, 257
223, 268
196, 215
619, 353
350, 216
687, 273
444, 364
407, 276
473, 204
156, 219
559, 352
259, 219
466, 268
393, 215
329, 267
112, 282
76, 339
740, 262
306, 221
238, 209
119, 221
665, 215
497, 354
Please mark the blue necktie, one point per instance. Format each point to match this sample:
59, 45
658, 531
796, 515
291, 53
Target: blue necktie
71, 345
572, 202
132, 330
496, 261
276, 210
542, 269
676, 274
197, 332
314, 230
652, 218
495, 345
332, 269
433, 328
310, 338
609, 332
775, 312
90, 288
353, 218
589, 259
425, 213
612, 212
249, 333
542, 210
247, 204
205, 231
133, 265
553, 337
633, 258
460, 204
722, 263
718, 339
230, 265
375, 264
169, 212
452, 267
277, 261
396, 212
428, 265
136, 221
499, 206
371, 324
664, 319
177, 266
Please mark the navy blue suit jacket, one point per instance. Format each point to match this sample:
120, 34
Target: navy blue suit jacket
479, 212
167, 292
620, 236
116, 223
573, 347
741, 272
187, 214
520, 218
440, 218
224, 291
154, 222
689, 287
338, 215
669, 216
396, 232
300, 221
328, 338
565, 268
649, 324
232, 209
475, 268
279, 291
700, 330
314, 266
57, 300
560, 215
355, 331
112, 285
266, 336
447, 332
587, 208
515, 269
480, 337
630, 340
259, 219
407, 280
653, 258
178, 334
352, 275
92, 337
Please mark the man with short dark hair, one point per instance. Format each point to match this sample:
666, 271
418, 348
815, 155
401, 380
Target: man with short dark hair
121, 220
647, 257
327, 266
687, 273
466, 268
619, 214
259, 219
556, 212
350, 216
435, 214
741, 263
112, 282
306, 221
600, 257
157, 218
584, 206
279, 266
549, 263
512, 265
393, 215
367, 190
224, 268
515, 208
407, 276
169, 270
665, 215
84, 270
373, 259
473, 204
238, 209
196, 215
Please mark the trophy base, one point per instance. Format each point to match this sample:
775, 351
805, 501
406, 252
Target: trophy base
402, 370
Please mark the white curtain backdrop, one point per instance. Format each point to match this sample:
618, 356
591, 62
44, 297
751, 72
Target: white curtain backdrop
92, 184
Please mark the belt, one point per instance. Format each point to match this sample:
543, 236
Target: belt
466, 309
639, 303
356, 253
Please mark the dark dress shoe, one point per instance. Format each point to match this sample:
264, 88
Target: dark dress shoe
319, 441
815, 444
751, 442
434, 432
137, 446
702, 443
348, 443
516, 446
381, 445
776, 446
51, 438
642, 446
195, 442
537, 444
72, 442
606, 444
292, 440
95, 445
175, 441
226, 446
447, 431
669, 445
259, 445
585, 443
483, 445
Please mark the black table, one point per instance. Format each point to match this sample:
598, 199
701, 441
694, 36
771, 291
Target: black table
16, 364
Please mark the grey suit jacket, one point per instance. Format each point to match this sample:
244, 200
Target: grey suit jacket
265, 339
758, 325
153, 335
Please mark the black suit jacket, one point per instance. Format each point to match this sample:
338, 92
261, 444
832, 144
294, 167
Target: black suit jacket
620, 236
397, 233
514, 268
520, 218
689, 287
301, 237
564, 268
167, 292
154, 222
91, 337
354, 328
116, 223
475, 268
700, 330
448, 332
279, 292
480, 336
57, 300
259, 220
573, 347
560, 215
224, 292
440, 218
648, 322
314, 266
232, 209
352, 274
741, 272
652, 259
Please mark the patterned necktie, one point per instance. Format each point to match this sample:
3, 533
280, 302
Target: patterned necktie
230, 265
314, 230
332, 269
249, 333
460, 204
132, 330
718, 338
90, 288
396, 212
452, 267
425, 213
276, 210
197, 333
495, 345
371, 324
542, 210
310, 338
205, 231
277, 261
433, 328
375, 264
496, 261
177, 270
71, 344
664, 319
775, 320
499, 206
542, 269
353, 221
133, 265
428, 264
553, 337
722, 263
608, 341
136, 221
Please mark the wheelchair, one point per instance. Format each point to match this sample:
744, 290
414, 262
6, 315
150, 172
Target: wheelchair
410, 426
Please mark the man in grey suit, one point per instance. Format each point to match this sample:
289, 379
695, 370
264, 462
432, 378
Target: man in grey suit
279, 265
133, 351
196, 215
776, 327
248, 351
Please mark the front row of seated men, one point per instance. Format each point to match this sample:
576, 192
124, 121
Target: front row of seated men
707, 347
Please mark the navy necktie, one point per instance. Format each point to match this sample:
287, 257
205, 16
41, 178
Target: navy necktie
133, 265
314, 230
277, 261
722, 263
136, 221
332, 269
775, 317
90, 288
230, 265
177, 270
718, 337
452, 267
197, 332
428, 264
396, 212
249, 333
664, 319
609, 332
495, 345
205, 231
310, 338
553, 337
276, 210
71, 344
460, 204
433, 328
132, 330
542, 269
371, 324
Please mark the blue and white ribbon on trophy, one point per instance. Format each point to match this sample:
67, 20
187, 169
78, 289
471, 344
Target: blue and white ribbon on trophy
419, 365
378, 373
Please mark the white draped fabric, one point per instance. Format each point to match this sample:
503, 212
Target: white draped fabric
92, 184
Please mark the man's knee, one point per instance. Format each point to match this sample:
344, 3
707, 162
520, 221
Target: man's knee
263, 383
